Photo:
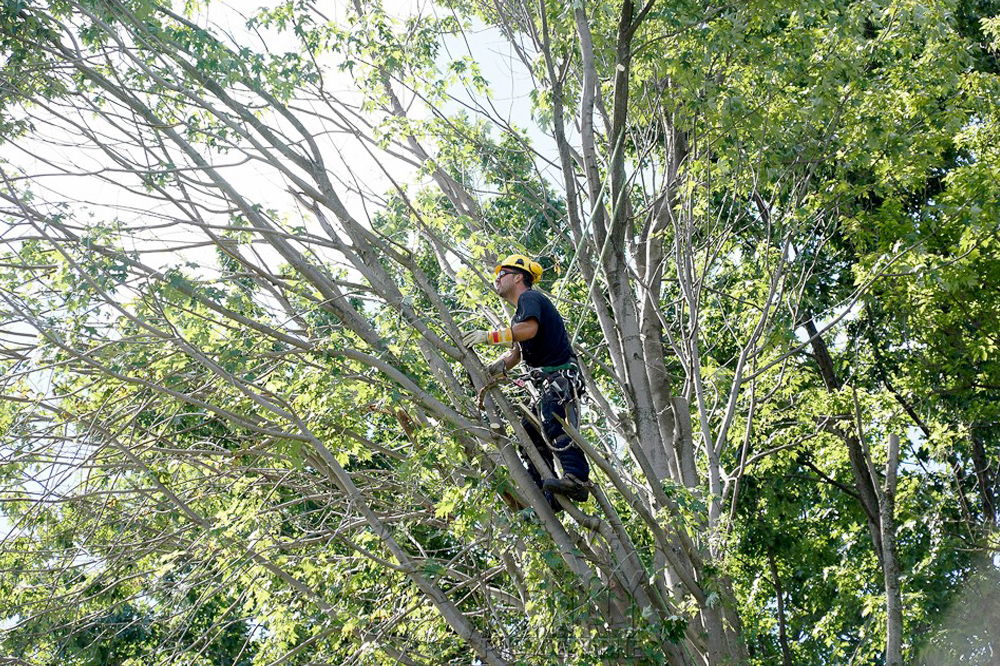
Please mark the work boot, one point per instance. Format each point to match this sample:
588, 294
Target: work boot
569, 485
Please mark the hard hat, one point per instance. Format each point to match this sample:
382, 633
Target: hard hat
522, 262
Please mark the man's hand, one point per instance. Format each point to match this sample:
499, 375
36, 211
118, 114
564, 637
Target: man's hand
497, 367
501, 336
473, 338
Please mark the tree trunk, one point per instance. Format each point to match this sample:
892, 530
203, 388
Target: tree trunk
786, 654
867, 492
890, 562
985, 478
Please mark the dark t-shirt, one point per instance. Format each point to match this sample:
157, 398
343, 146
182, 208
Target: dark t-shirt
550, 346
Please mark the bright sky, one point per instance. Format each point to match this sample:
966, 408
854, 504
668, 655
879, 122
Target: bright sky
54, 142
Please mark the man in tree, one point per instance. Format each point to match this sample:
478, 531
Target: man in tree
538, 334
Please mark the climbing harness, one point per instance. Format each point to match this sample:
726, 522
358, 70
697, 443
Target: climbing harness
565, 384
564, 381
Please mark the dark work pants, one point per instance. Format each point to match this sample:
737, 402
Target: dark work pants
571, 458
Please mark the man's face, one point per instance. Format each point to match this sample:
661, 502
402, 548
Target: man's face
505, 281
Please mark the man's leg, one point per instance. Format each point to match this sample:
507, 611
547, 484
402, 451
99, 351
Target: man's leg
576, 469
543, 450
540, 446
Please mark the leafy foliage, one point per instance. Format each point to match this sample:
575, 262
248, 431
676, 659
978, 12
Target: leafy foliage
239, 426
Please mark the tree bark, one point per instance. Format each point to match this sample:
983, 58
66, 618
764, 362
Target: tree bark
786, 654
867, 493
985, 477
890, 561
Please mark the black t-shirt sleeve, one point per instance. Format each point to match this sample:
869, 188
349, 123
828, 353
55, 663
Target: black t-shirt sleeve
529, 306
550, 346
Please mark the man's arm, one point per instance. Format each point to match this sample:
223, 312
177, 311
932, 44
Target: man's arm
512, 358
524, 330
505, 362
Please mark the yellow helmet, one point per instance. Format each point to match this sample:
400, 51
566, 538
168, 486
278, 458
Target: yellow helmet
522, 262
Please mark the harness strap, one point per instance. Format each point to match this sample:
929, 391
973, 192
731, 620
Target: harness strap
557, 368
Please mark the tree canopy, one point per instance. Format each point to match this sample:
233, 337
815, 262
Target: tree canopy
240, 248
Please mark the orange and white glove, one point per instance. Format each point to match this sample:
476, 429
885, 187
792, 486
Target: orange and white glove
501, 336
